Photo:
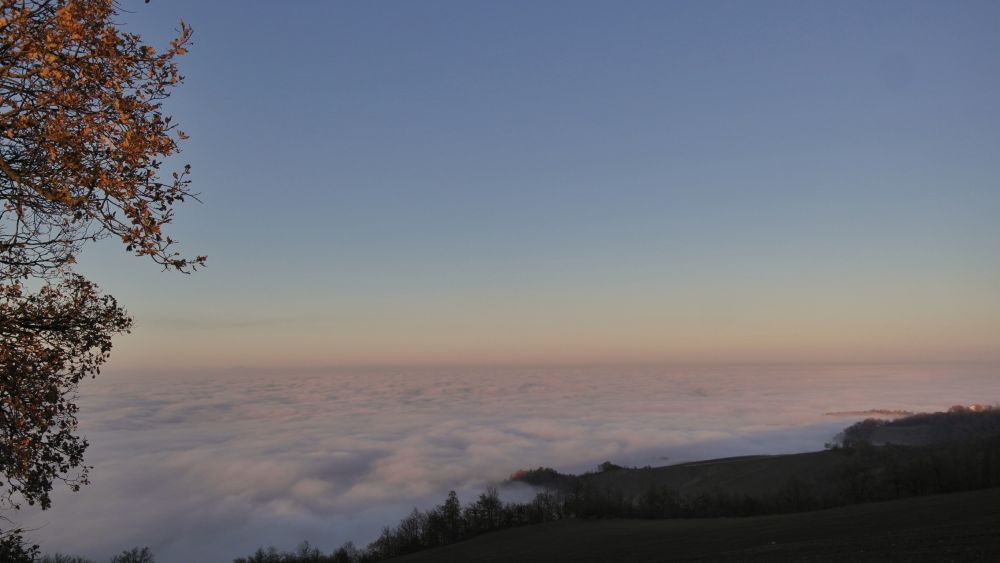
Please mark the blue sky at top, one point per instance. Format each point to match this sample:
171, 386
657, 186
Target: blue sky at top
534, 181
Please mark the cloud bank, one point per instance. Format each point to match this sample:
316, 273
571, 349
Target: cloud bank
204, 468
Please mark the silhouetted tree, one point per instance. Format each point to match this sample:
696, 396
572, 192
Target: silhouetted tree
50, 341
60, 558
347, 553
13, 549
134, 555
269, 555
484, 514
451, 517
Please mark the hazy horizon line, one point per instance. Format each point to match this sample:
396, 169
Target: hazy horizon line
421, 365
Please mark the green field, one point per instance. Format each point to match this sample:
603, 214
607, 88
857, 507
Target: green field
953, 527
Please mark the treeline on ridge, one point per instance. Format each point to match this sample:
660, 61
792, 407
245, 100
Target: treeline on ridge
959, 423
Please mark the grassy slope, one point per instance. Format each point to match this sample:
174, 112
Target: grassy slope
955, 527
753, 475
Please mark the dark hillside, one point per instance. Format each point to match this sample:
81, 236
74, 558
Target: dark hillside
948, 442
957, 424
747, 475
955, 527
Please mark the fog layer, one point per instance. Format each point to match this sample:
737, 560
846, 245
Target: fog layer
207, 467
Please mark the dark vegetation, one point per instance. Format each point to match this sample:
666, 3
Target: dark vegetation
18, 552
955, 527
83, 138
958, 424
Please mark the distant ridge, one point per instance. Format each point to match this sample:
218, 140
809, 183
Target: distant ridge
882, 412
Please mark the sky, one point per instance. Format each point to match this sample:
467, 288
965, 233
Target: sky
440, 182
448, 240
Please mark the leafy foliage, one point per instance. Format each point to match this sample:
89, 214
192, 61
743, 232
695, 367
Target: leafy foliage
81, 136
82, 141
49, 341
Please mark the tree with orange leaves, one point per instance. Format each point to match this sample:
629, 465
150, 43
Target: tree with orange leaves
82, 142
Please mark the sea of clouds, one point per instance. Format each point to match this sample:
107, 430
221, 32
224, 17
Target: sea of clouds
207, 467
